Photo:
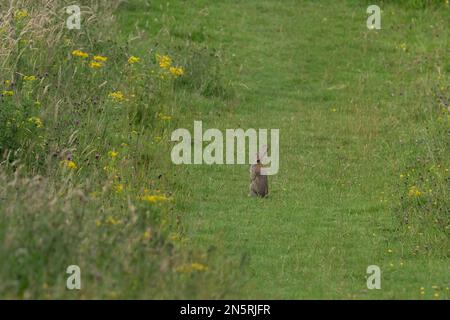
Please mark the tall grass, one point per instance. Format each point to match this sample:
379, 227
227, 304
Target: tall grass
424, 178
85, 123
415, 4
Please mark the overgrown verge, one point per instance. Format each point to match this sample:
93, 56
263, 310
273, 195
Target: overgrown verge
424, 180
421, 200
85, 180
416, 4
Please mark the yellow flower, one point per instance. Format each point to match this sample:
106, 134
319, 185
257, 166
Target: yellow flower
94, 194
198, 266
20, 14
147, 235
69, 164
390, 250
133, 59
119, 188
154, 198
175, 237
6, 83
95, 65
98, 223
29, 78
164, 61
100, 58
164, 117
113, 154
188, 268
81, 54
176, 71
403, 46
8, 93
37, 122
414, 192
112, 221
117, 96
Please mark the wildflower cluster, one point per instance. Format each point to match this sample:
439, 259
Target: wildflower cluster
165, 63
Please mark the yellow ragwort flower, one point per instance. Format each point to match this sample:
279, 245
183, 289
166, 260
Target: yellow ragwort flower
36, 121
147, 235
69, 164
81, 54
164, 117
112, 221
20, 14
117, 96
154, 198
119, 188
198, 266
414, 192
95, 65
8, 93
100, 58
189, 268
29, 78
133, 60
164, 61
113, 154
176, 71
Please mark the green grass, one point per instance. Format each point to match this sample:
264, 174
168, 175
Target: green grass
360, 120
349, 104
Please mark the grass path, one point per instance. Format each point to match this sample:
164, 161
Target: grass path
332, 88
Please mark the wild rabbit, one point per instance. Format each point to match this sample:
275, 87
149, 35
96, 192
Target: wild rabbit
259, 186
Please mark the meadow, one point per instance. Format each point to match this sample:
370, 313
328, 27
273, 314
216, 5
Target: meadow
86, 177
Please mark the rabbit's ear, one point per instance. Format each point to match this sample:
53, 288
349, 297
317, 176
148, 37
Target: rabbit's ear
254, 159
263, 152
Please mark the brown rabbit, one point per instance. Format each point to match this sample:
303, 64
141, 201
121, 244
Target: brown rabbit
259, 186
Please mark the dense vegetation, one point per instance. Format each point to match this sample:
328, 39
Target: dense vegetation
85, 172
